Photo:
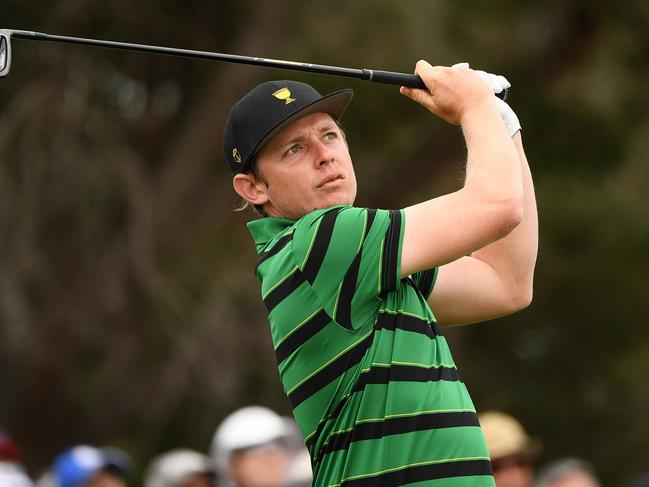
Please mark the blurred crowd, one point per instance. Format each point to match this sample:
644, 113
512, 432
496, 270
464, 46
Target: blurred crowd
252, 447
514, 455
255, 447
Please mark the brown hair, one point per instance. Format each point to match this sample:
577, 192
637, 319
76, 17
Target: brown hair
254, 171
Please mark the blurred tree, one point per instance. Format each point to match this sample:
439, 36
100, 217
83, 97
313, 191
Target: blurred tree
129, 311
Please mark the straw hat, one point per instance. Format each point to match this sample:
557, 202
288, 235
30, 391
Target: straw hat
505, 436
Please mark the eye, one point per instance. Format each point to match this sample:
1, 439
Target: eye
329, 136
294, 149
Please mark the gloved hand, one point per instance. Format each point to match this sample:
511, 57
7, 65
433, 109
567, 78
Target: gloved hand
499, 83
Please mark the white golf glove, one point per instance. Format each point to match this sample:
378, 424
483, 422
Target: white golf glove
498, 84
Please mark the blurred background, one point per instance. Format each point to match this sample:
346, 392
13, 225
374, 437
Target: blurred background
129, 310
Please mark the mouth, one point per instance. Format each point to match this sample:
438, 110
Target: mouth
330, 180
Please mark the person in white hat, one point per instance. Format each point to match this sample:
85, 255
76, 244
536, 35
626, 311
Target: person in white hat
254, 447
180, 468
12, 475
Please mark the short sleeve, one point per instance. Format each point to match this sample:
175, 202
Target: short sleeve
425, 281
352, 258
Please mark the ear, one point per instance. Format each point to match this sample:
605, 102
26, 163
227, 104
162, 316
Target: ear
250, 188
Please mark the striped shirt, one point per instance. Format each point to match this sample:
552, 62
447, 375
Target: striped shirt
373, 385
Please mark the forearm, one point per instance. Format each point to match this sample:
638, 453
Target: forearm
493, 169
514, 256
443, 229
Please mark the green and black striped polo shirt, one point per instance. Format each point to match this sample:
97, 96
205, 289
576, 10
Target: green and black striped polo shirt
373, 385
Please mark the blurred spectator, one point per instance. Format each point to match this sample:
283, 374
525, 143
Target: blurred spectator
9, 452
180, 468
511, 450
11, 472
255, 447
568, 472
87, 466
299, 473
12, 475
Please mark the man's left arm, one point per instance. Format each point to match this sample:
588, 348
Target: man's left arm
496, 280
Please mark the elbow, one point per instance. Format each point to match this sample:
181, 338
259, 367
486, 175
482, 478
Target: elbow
502, 211
520, 299
508, 216
524, 299
514, 212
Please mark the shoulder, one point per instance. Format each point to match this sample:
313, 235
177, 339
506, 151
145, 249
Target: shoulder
337, 225
342, 217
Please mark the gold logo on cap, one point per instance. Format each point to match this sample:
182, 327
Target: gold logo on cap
236, 155
284, 94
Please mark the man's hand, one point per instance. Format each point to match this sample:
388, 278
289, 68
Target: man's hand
452, 92
498, 84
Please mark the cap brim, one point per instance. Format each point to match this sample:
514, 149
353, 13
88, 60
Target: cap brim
334, 104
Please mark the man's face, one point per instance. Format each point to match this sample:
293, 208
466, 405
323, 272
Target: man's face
266, 466
306, 167
199, 480
514, 472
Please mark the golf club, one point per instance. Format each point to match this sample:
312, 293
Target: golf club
389, 77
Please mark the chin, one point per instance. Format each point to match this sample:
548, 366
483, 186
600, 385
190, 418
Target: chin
335, 200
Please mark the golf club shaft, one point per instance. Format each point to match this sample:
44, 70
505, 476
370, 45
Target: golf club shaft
388, 77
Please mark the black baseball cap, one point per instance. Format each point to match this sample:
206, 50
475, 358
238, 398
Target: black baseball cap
267, 109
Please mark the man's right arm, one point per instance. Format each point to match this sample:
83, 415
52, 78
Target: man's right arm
490, 204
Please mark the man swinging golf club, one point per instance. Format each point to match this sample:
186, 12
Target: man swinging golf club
349, 291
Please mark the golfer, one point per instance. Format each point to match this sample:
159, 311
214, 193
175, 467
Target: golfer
355, 295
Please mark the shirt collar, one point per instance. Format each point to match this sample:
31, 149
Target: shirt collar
264, 230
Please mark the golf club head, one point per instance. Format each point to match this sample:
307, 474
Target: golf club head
5, 52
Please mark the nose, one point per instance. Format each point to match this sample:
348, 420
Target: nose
324, 154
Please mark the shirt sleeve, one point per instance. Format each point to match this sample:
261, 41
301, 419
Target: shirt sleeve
352, 258
425, 281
